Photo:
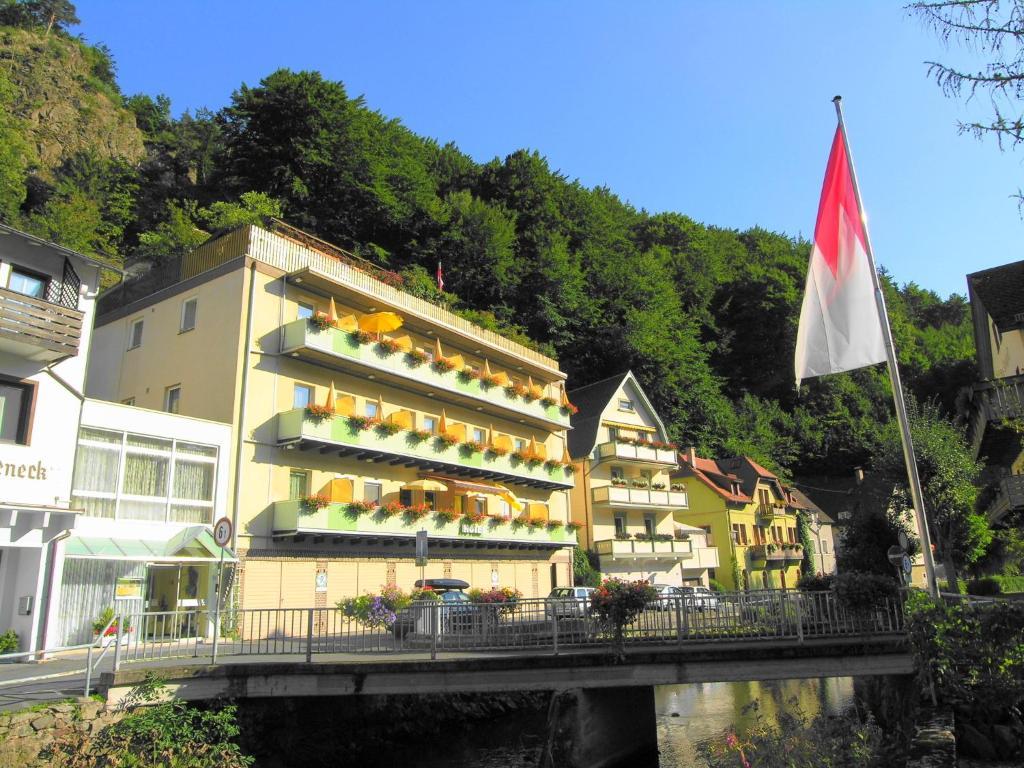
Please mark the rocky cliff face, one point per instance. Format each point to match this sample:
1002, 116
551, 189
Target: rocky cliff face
67, 100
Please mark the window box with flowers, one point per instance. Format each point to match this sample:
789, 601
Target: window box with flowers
657, 486
470, 447
623, 536
569, 409
361, 423
417, 436
388, 346
443, 365
554, 525
510, 391
640, 482
361, 337
414, 358
467, 375
619, 482
320, 322
548, 402
678, 487
312, 504
446, 440
446, 515
387, 428
391, 509
361, 507
496, 450
572, 527
104, 628
416, 512
682, 536
528, 395
317, 413
476, 516
534, 523
520, 456
489, 381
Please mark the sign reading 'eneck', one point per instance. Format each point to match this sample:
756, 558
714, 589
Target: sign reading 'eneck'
24, 471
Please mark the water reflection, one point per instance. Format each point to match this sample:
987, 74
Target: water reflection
691, 715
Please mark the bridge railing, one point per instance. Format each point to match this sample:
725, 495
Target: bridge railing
542, 624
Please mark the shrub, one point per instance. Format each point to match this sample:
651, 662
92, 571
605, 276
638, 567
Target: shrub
816, 582
984, 586
860, 591
716, 586
583, 571
167, 733
9, 642
617, 603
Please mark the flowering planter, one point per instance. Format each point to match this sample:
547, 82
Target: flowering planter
339, 348
111, 638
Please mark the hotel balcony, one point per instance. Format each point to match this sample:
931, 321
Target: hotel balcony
759, 553
617, 496
990, 403
1009, 497
292, 518
338, 349
662, 458
630, 549
792, 554
338, 437
37, 329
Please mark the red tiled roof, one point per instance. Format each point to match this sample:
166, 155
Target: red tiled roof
702, 468
759, 469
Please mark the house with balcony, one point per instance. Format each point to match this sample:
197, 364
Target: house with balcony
623, 499
360, 415
46, 307
749, 514
993, 408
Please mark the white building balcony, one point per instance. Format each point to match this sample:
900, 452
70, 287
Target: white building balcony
647, 498
661, 458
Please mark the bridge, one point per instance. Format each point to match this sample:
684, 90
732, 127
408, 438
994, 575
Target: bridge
607, 693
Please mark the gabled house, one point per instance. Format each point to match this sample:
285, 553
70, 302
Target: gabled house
623, 498
747, 512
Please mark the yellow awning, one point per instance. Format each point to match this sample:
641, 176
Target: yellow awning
624, 425
425, 484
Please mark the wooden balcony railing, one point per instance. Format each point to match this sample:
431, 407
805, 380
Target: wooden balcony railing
1009, 497
49, 327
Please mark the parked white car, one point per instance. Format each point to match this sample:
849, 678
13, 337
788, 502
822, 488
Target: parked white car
700, 598
568, 602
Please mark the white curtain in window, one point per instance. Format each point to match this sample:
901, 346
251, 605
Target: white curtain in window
146, 475
96, 468
193, 480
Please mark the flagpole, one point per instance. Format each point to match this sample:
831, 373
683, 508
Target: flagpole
916, 495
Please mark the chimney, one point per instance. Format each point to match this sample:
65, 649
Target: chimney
858, 474
691, 456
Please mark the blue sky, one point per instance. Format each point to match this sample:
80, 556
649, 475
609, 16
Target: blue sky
721, 111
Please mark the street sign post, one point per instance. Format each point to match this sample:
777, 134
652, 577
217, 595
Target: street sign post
421, 552
222, 531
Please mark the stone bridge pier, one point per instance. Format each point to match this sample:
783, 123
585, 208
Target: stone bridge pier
602, 728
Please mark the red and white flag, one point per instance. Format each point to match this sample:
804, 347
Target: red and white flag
440, 278
840, 328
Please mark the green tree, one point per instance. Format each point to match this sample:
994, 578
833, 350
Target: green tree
52, 14
948, 472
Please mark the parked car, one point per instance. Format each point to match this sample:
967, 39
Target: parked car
664, 601
568, 602
700, 598
456, 608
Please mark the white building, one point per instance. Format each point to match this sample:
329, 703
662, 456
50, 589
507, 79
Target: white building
149, 486
46, 309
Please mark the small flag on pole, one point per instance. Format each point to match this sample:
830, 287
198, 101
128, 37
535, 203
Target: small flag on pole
839, 324
440, 278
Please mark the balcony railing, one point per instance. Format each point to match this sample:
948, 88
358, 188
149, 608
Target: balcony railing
993, 401
340, 350
774, 558
641, 497
792, 554
630, 548
337, 435
1009, 497
643, 454
292, 517
52, 331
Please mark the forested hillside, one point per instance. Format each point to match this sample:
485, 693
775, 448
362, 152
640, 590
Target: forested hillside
705, 316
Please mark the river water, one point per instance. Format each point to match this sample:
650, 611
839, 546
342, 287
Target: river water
688, 717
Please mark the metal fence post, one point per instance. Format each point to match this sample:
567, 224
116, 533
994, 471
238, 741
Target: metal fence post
88, 672
117, 643
554, 627
216, 632
309, 636
435, 611
799, 619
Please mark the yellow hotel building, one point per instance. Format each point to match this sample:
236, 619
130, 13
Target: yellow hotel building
748, 514
350, 434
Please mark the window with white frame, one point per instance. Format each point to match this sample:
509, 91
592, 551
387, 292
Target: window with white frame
135, 334
479, 435
302, 395
626, 405
372, 411
303, 310
372, 492
172, 399
137, 477
189, 310
430, 424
